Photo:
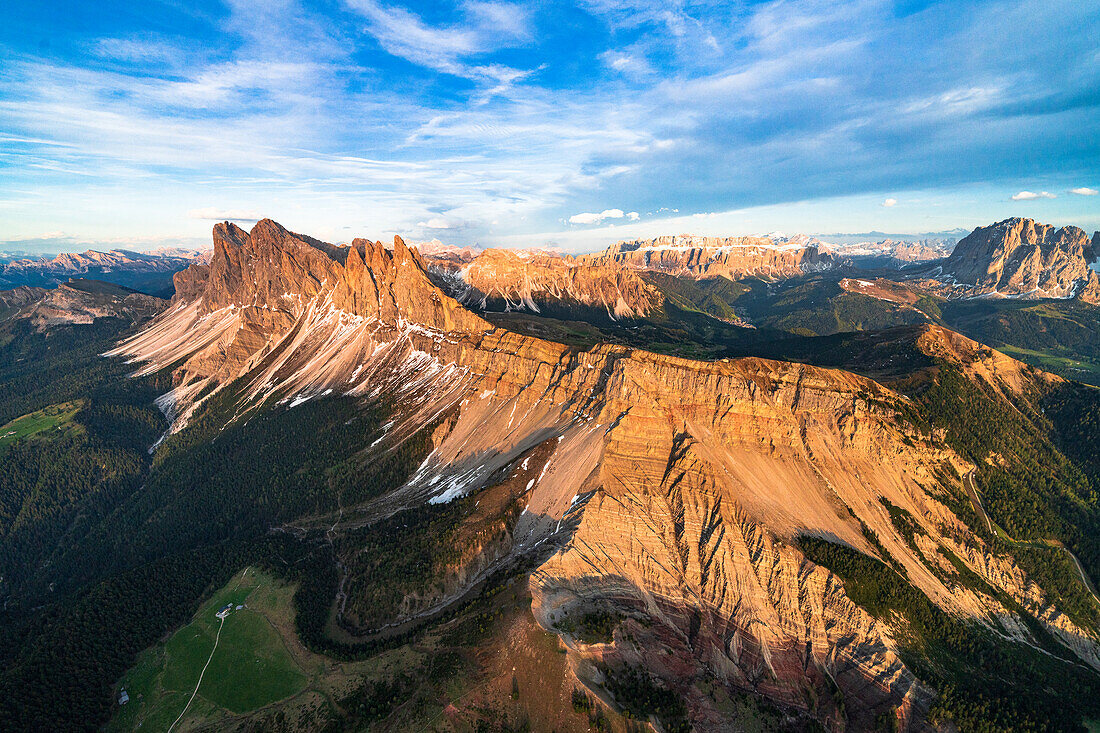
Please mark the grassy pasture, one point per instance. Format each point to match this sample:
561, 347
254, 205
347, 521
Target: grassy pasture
43, 423
250, 668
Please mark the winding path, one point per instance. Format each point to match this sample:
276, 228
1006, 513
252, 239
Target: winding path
216, 640
972, 491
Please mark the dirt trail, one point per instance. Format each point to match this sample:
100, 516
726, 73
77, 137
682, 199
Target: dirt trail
971, 490
197, 684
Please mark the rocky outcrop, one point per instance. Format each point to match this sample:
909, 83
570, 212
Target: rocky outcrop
664, 490
78, 302
732, 257
509, 280
1023, 258
21, 296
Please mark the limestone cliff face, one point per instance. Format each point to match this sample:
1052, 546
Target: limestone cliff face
511, 280
731, 257
666, 490
1021, 257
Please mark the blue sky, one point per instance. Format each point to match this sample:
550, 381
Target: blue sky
136, 123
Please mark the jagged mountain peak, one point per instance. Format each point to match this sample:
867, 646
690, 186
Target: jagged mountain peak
539, 281
278, 270
1021, 257
304, 311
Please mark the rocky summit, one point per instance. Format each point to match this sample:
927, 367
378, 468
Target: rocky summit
1022, 258
507, 280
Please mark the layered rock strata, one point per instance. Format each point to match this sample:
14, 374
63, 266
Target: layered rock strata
674, 489
730, 257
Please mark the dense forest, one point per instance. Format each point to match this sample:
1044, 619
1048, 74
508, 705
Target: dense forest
989, 686
1031, 489
106, 547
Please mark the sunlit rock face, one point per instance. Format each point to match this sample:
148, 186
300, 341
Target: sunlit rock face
668, 491
731, 257
1023, 258
507, 280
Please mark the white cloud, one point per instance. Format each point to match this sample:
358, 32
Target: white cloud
211, 212
1084, 191
889, 202
591, 218
441, 222
626, 63
1031, 195
633, 216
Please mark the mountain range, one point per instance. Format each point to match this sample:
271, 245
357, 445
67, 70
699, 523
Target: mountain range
463, 524
150, 272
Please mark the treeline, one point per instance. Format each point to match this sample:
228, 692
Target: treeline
216, 482
59, 365
55, 488
1067, 329
121, 547
61, 663
987, 685
1030, 488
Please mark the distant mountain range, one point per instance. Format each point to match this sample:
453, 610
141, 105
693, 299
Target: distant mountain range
148, 272
76, 302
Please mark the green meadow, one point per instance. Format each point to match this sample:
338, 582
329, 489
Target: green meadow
45, 423
250, 668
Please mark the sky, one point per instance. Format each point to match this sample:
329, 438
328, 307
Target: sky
138, 123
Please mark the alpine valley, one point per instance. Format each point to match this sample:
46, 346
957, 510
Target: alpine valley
685, 483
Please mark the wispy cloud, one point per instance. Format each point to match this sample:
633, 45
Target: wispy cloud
1032, 195
1084, 191
888, 203
484, 27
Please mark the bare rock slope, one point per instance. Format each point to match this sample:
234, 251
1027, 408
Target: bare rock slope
536, 282
77, 301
